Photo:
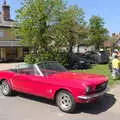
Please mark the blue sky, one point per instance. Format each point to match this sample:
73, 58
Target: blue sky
108, 9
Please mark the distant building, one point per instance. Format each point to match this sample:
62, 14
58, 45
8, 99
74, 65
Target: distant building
114, 41
10, 47
116, 37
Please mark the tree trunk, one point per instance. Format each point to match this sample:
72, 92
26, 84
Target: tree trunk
78, 48
71, 49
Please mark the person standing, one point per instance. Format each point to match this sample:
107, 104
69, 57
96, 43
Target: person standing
115, 52
115, 67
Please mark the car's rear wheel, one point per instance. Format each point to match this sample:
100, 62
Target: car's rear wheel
5, 88
65, 101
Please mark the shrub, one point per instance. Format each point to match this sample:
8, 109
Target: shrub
47, 56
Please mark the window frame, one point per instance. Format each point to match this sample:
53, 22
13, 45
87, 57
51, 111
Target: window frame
37, 72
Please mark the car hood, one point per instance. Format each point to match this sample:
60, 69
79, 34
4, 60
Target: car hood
74, 77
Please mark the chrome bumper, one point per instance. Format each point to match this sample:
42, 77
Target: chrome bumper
93, 95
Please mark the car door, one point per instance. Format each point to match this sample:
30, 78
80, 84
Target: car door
28, 81
30, 84
23, 78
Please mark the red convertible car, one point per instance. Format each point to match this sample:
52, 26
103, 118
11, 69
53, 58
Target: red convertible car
52, 81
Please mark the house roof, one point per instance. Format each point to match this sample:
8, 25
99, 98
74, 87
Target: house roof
117, 43
108, 43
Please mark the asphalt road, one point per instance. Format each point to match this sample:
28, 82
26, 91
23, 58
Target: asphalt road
27, 107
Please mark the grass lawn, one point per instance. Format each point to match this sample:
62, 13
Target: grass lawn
100, 69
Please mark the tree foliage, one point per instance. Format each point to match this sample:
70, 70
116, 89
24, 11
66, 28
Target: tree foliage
97, 32
49, 25
35, 18
72, 27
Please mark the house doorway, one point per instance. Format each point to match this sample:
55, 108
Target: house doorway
11, 53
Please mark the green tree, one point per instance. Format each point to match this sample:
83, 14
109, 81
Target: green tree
48, 26
72, 26
35, 19
97, 32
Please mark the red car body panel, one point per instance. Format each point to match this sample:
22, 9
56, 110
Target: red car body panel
48, 86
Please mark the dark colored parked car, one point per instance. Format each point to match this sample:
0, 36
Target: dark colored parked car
103, 57
92, 55
77, 62
88, 57
100, 57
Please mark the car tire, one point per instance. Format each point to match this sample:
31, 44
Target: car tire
75, 67
5, 88
65, 102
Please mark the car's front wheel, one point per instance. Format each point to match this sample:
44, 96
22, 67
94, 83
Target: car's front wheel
65, 101
5, 88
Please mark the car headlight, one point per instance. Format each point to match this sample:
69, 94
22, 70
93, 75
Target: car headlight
88, 89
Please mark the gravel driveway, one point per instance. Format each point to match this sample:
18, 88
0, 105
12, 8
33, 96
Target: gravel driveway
27, 107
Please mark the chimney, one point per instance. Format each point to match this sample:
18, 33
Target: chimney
6, 10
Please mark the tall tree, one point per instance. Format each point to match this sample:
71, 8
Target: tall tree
35, 19
72, 26
49, 25
97, 31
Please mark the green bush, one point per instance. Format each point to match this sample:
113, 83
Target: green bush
47, 56
30, 58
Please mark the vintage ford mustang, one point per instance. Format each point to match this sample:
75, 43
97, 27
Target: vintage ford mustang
52, 81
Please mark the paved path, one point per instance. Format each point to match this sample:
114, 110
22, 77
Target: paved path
5, 66
26, 107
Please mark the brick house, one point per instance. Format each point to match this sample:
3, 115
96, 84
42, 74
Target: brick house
10, 47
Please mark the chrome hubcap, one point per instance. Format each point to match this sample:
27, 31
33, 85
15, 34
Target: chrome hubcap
64, 101
5, 88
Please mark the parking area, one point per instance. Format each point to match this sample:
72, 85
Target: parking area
27, 107
5, 66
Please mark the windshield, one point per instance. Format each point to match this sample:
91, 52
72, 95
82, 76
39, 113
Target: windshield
48, 68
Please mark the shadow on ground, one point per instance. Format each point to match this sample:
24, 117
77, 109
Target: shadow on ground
102, 105
36, 98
